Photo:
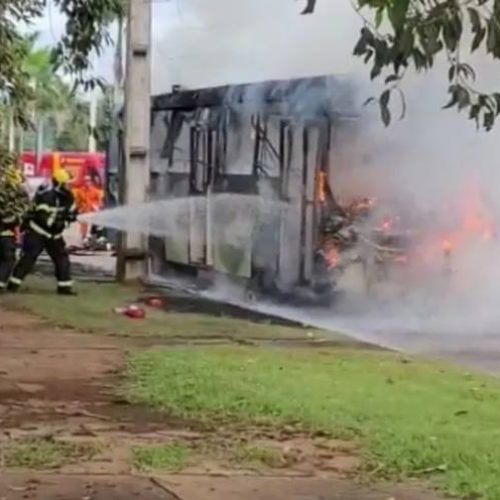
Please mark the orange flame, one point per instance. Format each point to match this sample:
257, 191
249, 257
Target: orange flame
476, 219
331, 253
447, 246
402, 259
321, 182
387, 224
332, 258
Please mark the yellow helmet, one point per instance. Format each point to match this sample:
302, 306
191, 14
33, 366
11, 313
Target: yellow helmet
61, 176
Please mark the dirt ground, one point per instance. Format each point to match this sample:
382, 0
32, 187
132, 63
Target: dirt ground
62, 386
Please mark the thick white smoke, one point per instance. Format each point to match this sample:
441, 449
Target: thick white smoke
200, 43
425, 160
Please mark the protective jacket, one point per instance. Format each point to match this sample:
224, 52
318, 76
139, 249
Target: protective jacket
52, 210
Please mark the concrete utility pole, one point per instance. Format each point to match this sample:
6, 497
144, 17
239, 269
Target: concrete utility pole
135, 171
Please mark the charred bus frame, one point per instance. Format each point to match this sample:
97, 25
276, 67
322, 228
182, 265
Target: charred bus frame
270, 139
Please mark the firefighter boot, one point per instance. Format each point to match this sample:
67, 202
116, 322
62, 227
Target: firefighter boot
12, 287
64, 290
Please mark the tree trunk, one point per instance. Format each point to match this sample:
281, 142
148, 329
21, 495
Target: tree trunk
93, 122
21, 140
12, 132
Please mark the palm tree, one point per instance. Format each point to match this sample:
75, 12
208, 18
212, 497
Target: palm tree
51, 94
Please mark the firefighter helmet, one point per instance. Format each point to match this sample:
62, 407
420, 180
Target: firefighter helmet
61, 176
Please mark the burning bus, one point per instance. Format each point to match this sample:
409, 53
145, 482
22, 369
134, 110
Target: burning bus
270, 185
270, 140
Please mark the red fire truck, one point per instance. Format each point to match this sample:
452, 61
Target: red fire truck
78, 164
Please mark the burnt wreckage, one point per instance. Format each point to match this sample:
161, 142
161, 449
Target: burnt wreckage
272, 140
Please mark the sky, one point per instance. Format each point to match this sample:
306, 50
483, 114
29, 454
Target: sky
199, 43
208, 43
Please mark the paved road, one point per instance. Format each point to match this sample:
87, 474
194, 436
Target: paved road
453, 337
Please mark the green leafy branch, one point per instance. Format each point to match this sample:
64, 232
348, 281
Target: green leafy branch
411, 34
86, 32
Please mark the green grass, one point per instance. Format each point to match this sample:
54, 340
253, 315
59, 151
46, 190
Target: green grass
167, 457
258, 456
410, 418
92, 312
174, 457
39, 453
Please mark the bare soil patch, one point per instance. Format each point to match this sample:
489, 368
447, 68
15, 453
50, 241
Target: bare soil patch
60, 386
67, 487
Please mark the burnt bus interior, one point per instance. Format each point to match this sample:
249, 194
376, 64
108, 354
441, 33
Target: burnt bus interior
272, 139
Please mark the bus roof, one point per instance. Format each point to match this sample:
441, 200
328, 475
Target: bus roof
330, 95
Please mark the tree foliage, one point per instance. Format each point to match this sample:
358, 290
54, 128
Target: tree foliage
86, 32
398, 35
76, 129
74, 134
49, 92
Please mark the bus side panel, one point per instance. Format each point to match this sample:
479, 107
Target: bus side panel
291, 226
232, 232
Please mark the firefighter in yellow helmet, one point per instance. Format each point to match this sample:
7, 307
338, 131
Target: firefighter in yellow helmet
52, 210
14, 201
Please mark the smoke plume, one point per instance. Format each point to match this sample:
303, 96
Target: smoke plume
430, 163
223, 41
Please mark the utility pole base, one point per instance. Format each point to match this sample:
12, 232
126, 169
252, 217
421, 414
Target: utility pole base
131, 264
135, 173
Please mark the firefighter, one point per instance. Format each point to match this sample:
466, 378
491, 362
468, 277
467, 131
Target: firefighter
14, 201
88, 198
52, 210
